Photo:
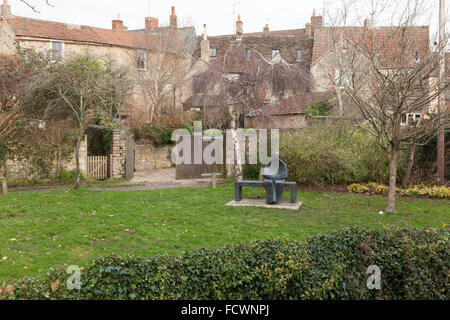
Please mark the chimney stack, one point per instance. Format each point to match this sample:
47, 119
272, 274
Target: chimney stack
205, 46
239, 28
266, 28
5, 9
117, 25
316, 23
173, 19
367, 24
151, 24
309, 30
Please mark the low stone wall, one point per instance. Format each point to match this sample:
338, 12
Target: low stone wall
148, 157
21, 169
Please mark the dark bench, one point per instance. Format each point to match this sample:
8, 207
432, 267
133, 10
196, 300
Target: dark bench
274, 183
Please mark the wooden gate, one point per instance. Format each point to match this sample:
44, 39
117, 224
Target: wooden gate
97, 168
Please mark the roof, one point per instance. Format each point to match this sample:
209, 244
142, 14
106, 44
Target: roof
42, 29
383, 39
293, 105
287, 41
186, 36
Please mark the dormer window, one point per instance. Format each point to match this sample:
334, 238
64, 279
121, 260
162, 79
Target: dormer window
56, 50
141, 59
299, 54
213, 53
275, 52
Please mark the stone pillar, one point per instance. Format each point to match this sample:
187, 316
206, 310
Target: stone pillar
118, 154
84, 155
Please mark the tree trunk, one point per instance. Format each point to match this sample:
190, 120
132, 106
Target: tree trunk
77, 159
410, 166
4, 185
4, 179
393, 158
237, 149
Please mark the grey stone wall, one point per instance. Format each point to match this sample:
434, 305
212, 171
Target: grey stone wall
118, 153
148, 157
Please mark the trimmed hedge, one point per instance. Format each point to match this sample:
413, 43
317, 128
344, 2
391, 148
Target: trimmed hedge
414, 265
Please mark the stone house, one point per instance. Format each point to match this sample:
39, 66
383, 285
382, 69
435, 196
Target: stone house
307, 47
139, 50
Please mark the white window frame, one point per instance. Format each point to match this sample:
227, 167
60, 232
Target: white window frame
299, 55
213, 53
62, 50
413, 116
138, 59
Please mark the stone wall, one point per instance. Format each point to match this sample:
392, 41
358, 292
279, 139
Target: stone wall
118, 153
296, 121
19, 169
148, 157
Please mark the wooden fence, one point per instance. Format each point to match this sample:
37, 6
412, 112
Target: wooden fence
97, 168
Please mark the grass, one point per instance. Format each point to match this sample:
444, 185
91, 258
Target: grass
46, 229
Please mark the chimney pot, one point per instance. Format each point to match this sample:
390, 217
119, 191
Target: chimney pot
173, 19
239, 28
266, 28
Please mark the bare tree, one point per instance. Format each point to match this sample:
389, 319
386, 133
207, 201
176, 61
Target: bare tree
12, 77
244, 80
86, 88
165, 69
389, 74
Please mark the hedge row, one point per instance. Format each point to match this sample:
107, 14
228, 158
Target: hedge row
414, 265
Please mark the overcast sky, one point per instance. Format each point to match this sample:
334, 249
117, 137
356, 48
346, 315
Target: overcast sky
218, 15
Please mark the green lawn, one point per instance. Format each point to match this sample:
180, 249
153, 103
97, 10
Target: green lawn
40, 230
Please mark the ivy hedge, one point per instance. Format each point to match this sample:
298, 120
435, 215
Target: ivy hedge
414, 265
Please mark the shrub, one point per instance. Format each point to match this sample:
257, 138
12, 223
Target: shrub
414, 265
65, 176
329, 154
434, 192
321, 108
159, 135
358, 188
372, 187
421, 190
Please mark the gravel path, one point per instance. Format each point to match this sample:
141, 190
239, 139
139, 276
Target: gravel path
158, 180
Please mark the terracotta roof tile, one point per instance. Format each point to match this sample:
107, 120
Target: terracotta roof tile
383, 38
33, 28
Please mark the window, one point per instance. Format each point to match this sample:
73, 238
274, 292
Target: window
411, 118
299, 55
249, 55
141, 59
275, 52
56, 50
213, 53
417, 58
